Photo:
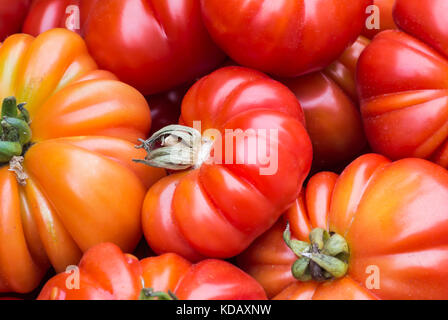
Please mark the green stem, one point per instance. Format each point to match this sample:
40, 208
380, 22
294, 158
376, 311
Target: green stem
150, 294
324, 258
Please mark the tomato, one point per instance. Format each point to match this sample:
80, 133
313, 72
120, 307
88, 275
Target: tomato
12, 15
403, 87
385, 18
393, 217
106, 273
286, 38
72, 183
231, 195
165, 107
330, 103
167, 39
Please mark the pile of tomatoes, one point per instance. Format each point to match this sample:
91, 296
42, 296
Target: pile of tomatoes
210, 149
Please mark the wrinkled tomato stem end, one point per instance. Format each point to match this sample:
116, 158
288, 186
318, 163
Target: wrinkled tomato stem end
324, 258
175, 147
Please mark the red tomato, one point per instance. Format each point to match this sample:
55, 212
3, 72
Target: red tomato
12, 15
330, 103
426, 20
403, 87
167, 39
284, 37
393, 217
224, 203
165, 107
386, 20
106, 273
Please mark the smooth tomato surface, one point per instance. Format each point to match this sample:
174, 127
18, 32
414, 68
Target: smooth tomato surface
105, 272
152, 45
330, 104
218, 209
12, 16
393, 216
287, 38
82, 187
165, 107
403, 87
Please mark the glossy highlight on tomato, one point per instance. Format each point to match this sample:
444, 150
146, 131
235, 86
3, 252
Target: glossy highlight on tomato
77, 185
393, 217
152, 45
106, 273
286, 38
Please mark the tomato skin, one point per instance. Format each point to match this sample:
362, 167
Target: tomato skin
403, 87
169, 43
12, 16
402, 203
106, 273
420, 19
286, 38
182, 210
386, 18
330, 103
85, 124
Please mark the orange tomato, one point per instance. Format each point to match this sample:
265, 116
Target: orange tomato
393, 217
81, 187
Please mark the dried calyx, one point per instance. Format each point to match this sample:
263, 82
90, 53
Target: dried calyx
15, 132
176, 147
324, 258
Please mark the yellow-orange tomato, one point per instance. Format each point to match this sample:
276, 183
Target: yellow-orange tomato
82, 187
394, 218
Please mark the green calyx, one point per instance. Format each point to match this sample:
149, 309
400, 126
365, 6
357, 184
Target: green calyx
150, 294
15, 131
324, 258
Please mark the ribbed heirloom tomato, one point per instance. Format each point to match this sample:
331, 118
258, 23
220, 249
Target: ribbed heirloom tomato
12, 15
152, 45
106, 273
67, 180
284, 37
330, 104
403, 84
383, 235
233, 194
